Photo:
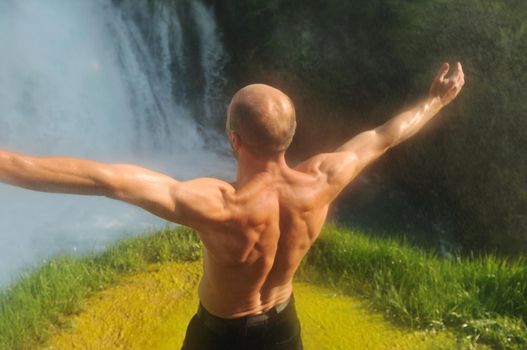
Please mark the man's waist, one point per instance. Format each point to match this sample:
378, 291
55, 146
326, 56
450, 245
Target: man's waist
242, 324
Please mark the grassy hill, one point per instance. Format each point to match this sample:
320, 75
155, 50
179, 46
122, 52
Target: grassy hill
480, 299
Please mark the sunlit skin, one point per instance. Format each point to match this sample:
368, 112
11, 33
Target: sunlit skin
256, 230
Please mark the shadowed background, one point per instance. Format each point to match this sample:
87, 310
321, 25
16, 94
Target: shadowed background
461, 183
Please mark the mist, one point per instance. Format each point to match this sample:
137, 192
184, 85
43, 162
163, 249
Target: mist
106, 81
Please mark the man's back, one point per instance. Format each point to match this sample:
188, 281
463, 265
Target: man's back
251, 257
273, 214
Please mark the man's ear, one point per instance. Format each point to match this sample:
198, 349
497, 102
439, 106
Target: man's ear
235, 140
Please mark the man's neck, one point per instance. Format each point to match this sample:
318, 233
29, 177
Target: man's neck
249, 167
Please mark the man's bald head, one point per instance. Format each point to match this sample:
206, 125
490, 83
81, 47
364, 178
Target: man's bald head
263, 118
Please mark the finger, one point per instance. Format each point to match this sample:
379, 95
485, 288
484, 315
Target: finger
454, 90
442, 72
451, 86
458, 85
451, 83
459, 71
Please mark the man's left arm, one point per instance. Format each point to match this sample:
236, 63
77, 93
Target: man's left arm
339, 168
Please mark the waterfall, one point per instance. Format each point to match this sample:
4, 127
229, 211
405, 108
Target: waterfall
117, 81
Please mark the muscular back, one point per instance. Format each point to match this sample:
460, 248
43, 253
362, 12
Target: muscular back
251, 257
256, 238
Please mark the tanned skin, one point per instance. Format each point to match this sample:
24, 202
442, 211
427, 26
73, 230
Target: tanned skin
256, 230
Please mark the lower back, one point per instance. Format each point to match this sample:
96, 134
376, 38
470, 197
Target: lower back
231, 294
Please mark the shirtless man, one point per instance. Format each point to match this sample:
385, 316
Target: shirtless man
256, 230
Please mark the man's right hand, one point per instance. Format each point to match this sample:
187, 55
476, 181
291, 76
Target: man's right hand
446, 89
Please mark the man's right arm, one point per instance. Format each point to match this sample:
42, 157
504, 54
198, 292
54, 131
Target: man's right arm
191, 203
339, 168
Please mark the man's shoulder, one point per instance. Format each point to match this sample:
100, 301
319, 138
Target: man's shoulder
208, 183
323, 163
202, 200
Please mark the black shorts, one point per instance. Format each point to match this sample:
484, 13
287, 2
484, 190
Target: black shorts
277, 329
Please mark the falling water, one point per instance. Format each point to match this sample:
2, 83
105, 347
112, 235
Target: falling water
117, 81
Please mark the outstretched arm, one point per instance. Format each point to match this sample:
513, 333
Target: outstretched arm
342, 166
182, 202
136, 185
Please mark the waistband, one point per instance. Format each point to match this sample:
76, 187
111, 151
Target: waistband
247, 324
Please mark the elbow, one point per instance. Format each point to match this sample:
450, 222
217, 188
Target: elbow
111, 193
112, 190
109, 185
387, 139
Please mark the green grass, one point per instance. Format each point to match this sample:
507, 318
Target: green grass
59, 287
480, 298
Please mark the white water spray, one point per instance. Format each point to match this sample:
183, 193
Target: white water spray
113, 81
